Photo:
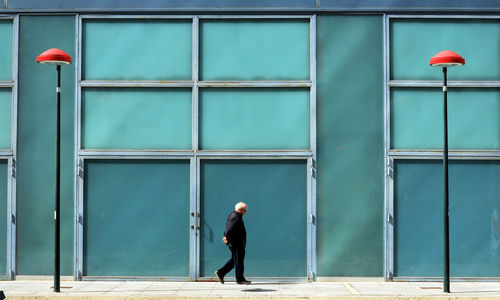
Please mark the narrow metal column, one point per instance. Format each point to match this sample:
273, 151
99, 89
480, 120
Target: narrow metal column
446, 277
57, 267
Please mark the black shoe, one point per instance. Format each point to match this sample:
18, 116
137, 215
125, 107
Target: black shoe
221, 279
244, 282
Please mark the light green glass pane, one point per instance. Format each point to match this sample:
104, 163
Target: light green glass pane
276, 223
136, 49
127, 118
473, 119
36, 172
3, 218
5, 118
254, 50
350, 189
252, 119
6, 50
474, 218
415, 41
136, 218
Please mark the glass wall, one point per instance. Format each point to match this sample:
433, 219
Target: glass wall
154, 120
415, 142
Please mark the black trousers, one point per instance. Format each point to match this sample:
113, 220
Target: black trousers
236, 262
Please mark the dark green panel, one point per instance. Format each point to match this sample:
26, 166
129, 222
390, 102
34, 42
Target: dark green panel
5, 118
276, 195
136, 220
139, 49
473, 118
415, 41
350, 186
474, 218
3, 217
127, 118
254, 49
254, 119
6, 49
36, 146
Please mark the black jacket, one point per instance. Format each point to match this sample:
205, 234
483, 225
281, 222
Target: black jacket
235, 233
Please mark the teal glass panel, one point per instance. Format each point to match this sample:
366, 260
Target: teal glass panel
126, 118
251, 119
474, 218
415, 41
3, 217
5, 118
136, 219
254, 50
473, 119
36, 172
276, 195
350, 134
137, 49
6, 50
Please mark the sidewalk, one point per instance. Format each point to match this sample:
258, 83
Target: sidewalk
111, 290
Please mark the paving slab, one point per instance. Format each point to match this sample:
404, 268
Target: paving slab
153, 290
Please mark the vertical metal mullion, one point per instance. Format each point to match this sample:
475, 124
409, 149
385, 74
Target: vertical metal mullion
198, 206
388, 169
11, 181
195, 211
192, 223
78, 243
195, 78
311, 162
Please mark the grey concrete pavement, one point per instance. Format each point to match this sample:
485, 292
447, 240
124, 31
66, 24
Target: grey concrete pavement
110, 290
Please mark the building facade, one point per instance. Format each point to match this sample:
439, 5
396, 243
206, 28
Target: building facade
323, 116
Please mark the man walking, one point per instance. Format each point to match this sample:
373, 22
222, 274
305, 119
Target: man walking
235, 237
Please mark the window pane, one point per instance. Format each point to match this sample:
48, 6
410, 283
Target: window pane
126, 118
5, 118
254, 50
251, 119
474, 218
6, 50
136, 218
137, 49
3, 217
415, 41
473, 119
276, 195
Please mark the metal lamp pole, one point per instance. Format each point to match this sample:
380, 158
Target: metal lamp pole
446, 59
58, 58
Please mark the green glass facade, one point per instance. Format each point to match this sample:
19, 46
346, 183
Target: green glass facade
319, 122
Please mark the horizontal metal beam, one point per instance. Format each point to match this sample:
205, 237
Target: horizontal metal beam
443, 16
5, 154
439, 83
154, 154
254, 154
135, 83
452, 154
305, 83
191, 16
164, 83
4, 84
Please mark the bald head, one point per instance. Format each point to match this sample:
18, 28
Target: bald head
241, 207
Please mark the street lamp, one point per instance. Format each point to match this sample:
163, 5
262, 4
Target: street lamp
58, 58
446, 59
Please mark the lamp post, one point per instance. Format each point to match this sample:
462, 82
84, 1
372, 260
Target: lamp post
446, 59
58, 58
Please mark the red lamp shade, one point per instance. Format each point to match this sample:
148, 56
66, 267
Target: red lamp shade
54, 57
447, 58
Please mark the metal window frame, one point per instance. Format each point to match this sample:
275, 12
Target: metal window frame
195, 155
10, 155
392, 155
